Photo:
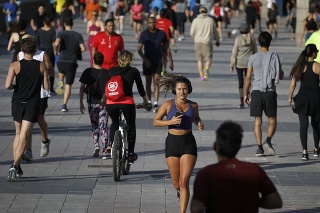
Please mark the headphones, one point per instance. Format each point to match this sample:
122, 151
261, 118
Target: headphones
181, 79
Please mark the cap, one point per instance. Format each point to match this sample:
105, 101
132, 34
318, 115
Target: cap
244, 28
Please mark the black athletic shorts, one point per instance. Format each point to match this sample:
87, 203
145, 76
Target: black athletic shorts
27, 113
153, 69
263, 101
69, 70
178, 145
43, 105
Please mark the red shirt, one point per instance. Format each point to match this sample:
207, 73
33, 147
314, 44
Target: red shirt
164, 24
137, 11
109, 46
257, 5
232, 186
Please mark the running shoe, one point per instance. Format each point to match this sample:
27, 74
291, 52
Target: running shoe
259, 152
316, 153
241, 106
201, 78
64, 108
19, 171
206, 74
45, 148
59, 89
268, 147
132, 157
155, 108
27, 156
96, 152
305, 157
106, 154
163, 72
12, 174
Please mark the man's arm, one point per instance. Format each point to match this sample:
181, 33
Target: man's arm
44, 70
146, 62
33, 26
247, 84
271, 201
11, 74
197, 206
82, 47
56, 45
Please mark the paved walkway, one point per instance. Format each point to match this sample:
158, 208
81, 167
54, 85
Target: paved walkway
70, 180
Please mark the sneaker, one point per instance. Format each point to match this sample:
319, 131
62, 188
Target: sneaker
132, 158
64, 108
180, 39
316, 153
206, 74
175, 48
155, 108
96, 152
27, 156
59, 89
12, 174
305, 156
19, 171
106, 154
201, 78
267, 146
241, 106
45, 148
259, 152
163, 72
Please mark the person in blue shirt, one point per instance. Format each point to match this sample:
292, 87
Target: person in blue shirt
157, 3
11, 10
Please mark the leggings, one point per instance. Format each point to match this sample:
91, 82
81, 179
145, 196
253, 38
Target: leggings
129, 112
240, 72
304, 123
99, 123
181, 19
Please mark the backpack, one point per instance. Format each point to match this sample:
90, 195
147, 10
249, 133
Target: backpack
114, 88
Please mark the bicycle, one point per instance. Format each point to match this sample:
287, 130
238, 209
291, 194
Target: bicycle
120, 153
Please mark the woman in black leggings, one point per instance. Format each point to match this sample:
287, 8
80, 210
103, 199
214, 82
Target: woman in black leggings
126, 103
307, 101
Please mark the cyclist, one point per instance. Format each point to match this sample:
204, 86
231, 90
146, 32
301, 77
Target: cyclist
126, 103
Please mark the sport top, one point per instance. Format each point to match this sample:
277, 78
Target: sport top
28, 83
186, 120
309, 79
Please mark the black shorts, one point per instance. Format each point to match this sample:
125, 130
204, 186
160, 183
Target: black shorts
153, 69
178, 145
263, 101
69, 70
138, 21
43, 105
27, 113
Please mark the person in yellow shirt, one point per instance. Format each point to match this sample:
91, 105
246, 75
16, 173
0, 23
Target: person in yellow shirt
315, 39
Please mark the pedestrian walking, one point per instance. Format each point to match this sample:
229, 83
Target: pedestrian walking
180, 145
307, 101
273, 15
265, 66
109, 43
154, 43
202, 31
214, 185
244, 47
96, 109
181, 14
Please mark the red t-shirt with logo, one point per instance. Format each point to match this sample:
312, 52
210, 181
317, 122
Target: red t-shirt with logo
164, 24
109, 46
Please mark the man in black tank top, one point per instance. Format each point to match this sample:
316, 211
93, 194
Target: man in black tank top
29, 75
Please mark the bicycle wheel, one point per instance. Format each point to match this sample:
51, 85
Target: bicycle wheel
126, 164
117, 155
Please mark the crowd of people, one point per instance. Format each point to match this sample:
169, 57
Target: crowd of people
155, 25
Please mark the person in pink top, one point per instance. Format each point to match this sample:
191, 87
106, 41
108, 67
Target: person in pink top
137, 14
93, 27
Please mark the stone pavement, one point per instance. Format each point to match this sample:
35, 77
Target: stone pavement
70, 180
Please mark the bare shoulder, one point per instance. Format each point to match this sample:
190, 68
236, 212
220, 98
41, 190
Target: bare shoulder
193, 104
